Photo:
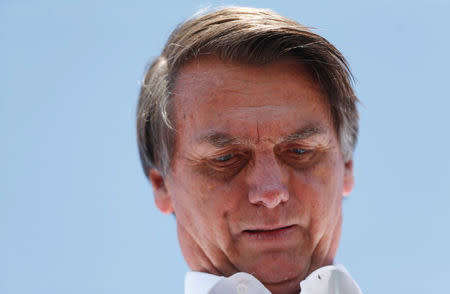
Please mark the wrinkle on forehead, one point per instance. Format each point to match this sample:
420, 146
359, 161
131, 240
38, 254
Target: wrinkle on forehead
264, 103
205, 77
223, 139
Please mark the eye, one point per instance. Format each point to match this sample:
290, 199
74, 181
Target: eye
224, 158
226, 165
232, 160
297, 156
299, 151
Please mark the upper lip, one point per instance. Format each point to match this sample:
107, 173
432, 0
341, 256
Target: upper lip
267, 227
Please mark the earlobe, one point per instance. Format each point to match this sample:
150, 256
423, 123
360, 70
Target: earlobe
160, 192
349, 180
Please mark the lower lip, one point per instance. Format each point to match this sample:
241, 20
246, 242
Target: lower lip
270, 234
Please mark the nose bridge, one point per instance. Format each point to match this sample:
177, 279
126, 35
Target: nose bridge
266, 180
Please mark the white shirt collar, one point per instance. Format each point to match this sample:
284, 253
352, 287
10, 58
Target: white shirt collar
332, 279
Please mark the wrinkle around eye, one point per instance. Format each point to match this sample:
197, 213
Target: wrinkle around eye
300, 156
213, 167
229, 160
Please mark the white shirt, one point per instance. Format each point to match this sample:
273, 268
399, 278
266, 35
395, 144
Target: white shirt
332, 279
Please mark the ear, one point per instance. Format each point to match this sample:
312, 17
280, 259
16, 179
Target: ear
160, 192
349, 180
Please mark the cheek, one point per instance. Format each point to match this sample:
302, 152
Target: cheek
202, 202
318, 193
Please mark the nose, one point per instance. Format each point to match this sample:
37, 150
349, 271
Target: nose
267, 183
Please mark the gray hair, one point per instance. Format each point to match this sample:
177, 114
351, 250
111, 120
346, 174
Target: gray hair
249, 36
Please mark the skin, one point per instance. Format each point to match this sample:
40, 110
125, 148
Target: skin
257, 177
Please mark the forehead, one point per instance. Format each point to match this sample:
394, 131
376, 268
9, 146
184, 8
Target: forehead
246, 100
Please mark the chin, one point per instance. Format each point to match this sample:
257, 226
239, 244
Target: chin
282, 274
274, 268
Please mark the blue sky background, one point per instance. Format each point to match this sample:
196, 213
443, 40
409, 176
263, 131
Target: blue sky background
76, 212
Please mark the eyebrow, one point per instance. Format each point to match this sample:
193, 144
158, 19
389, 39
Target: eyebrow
222, 140
305, 133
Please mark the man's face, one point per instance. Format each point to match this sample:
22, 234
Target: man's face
257, 176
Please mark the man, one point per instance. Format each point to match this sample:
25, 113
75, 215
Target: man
246, 127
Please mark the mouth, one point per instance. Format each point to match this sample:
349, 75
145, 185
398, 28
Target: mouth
269, 233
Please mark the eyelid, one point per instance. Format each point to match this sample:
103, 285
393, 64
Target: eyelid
225, 170
295, 145
235, 155
225, 151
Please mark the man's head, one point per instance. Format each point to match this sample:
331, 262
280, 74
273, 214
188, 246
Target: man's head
246, 127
